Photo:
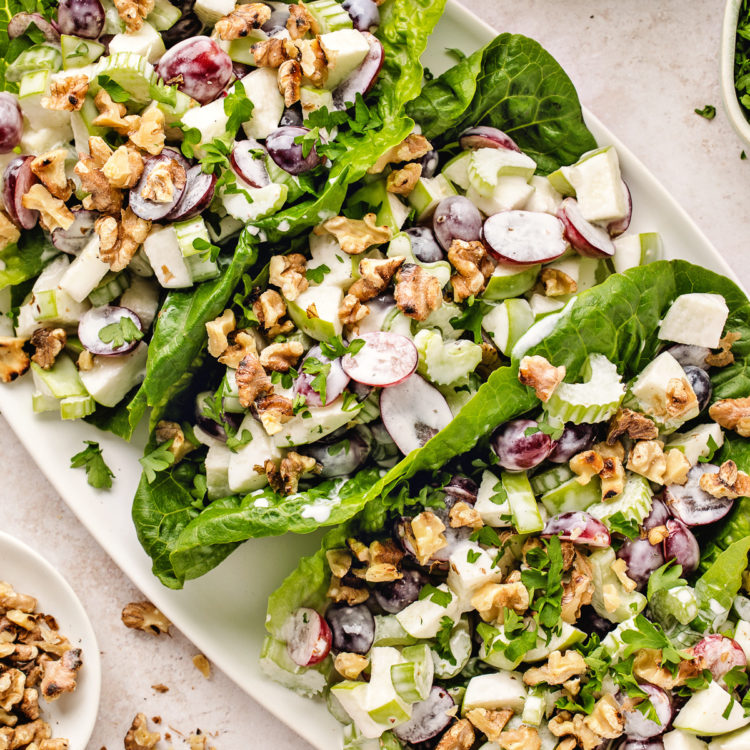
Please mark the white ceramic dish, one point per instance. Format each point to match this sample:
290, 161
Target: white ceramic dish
734, 111
72, 715
223, 612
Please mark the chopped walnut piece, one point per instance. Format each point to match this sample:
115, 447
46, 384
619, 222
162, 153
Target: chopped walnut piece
382, 573
578, 591
647, 666
413, 147
241, 344
657, 535
474, 267
492, 598
565, 723
11, 599
146, 617
160, 688
352, 311
586, 465
218, 330
428, 530
558, 669
490, 723
361, 551
118, 243
60, 676
520, 738
729, 482
284, 478
314, 62
8, 231
203, 665
113, 115
269, 308
180, 447
54, 214
349, 594
66, 94
557, 283
133, 12
102, 196
242, 20
12, 683
290, 81
463, 514
350, 666
149, 135
417, 292
339, 561
163, 180
636, 425
50, 169
85, 361
288, 273
48, 342
647, 459
403, 181
13, 359
620, 569
274, 51
355, 235
724, 356
29, 706
281, 357
612, 477
732, 414
252, 381
386, 552
375, 275
538, 373
606, 719
460, 736
273, 411
31, 734
139, 737
300, 21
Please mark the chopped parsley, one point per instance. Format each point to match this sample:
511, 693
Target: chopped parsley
709, 112
237, 441
158, 460
436, 595
335, 347
317, 274
443, 638
472, 556
119, 333
116, 92
98, 474
712, 448
625, 526
320, 370
238, 107
207, 250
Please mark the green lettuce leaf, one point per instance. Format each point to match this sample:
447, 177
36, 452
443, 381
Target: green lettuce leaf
24, 260
515, 85
10, 49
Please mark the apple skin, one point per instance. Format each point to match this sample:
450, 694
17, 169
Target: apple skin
586, 238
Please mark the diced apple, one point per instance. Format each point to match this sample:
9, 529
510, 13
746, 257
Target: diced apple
492, 501
110, 379
146, 42
422, 618
471, 567
495, 692
544, 198
345, 50
262, 89
705, 713
697, 318
164, 255
241, 474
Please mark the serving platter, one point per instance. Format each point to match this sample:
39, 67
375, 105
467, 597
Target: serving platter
223, 612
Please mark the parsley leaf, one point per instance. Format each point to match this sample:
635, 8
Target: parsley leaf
317, 274
472, 556
238, 107
313, 366
119, 333
487, 536
666, 577
709, 112
207, 250
237, 441
191, 137
470, 318
116, 92
712, 448
98, 474
441, 598
622, 525
335, 347
443, 639
159, 459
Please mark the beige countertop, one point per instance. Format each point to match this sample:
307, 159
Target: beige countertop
642, 68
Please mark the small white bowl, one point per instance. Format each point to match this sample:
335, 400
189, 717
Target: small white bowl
728, 92
73, 715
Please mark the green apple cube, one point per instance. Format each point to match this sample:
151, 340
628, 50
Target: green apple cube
633, 250
487, 165
428, 192
510, 281
507, 322
705, 713
492, 501
495, 692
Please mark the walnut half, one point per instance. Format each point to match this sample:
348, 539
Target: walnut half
146, 617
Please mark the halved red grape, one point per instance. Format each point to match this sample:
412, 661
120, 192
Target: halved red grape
424, 244
197, 195
521, 445
21, 22
587, 238
429, 163
637, 726
73, 239
80, 18
655, 743
719, 655
688, 354
250, 167
691, 505
658, 515
616, 228
642, 558
154, 210
365, 14
96, 319
308, 637
577, 527
11, 123
429, 718
287, 153
524, 237
456, 218
198, 66
18, 180
574, 439
361, 80
386, 359
682, 546
394, 596
413, 412
460, 489
485, 136
336, 379
338, 458
700, 383
353, 628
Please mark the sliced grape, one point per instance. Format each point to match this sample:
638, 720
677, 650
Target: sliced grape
292, 116
11, 123
574, 439
277, 21
642, 559
20, 181
361, 80
250, 167
456, 218
339, 458
484, 136
413, 412
587, 238
637, 726
335, 381
386, 359
681, 546
394, 596
154, 210
308, 637
701, 384
21, 22
424, 245
353, 628
460, 489
521, 445
655, 743
197, 195
688, 354
84, 18
719, 655
620, 226
577, 527
429, 163
73, 239
524, 237
287, 153
658, 516
96, 319
691, 505
429, 718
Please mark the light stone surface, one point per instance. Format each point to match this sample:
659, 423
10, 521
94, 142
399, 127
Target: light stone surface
642, 68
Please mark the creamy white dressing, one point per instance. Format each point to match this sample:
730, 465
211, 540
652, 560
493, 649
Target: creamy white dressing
539, 331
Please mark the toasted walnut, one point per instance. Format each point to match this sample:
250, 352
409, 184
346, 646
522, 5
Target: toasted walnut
242, 20
149, 135
492, 598
9, 233
12, 683
274, 51
288, 273
60, 676
102, 196
217, 330
11, 599
575, 725
281, 357
428, 530
620, 569
300, 21
113, 115
350, 666
290, 81
37, 732
293, 467
520, 738
339, 561
474, 267
728, 482
361, 551
314, 61
558, 669
133, 12
241, 344
490, 723
463, 514
537, 373
352, 311
54, 214
139, 737
273, 411
647, 666
66, 94
732, 414
269, 308
724, 356
355, 235
375, 275
606, 719
611, 450
203, 665
13, 359
146, 617
417, 292
586, 465
460, 736
413, 147
386, 552
29, 706
58, 743
578, 590
163, 180
557, 283
50, 169
48, 343
403, 181
118, 243
681, 397
382, 573
180, 447
647, 459
612, 477
657, 535
635, 425
349, 594
252, 380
